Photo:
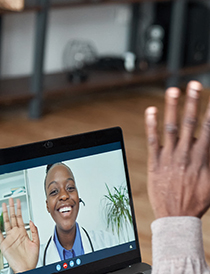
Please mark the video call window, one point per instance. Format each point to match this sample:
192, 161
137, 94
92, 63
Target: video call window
98, 179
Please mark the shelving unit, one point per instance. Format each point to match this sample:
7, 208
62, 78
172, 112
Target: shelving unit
57, 84
22, 198
11, 181
38, 87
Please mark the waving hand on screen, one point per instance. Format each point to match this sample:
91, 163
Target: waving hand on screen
20, 252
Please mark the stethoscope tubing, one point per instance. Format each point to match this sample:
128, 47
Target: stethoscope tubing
47, 245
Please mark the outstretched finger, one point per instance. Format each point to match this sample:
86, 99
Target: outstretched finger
19, 214
203, 143
34, 233
170, 117
13, 219
7, 225
190, 115
152, 136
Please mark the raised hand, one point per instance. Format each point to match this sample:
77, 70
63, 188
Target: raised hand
20, 252
179, 172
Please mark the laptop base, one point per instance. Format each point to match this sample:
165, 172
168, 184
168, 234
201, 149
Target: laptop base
139, 268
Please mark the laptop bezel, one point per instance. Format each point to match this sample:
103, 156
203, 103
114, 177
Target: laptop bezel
84, 140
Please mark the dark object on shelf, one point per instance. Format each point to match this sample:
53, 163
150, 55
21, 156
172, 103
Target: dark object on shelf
77, 55
105, 63
77, 76
154, 46
157, 34
197, 34
109, 63
126, 62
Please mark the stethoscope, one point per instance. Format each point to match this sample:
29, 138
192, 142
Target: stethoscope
47, 245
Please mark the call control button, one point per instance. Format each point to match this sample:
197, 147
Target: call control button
58, 267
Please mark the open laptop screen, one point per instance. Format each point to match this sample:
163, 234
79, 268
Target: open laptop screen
104, 218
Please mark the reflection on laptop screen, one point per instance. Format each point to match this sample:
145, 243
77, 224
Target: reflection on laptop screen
85, 186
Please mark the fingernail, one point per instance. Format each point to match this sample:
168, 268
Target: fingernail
151, 110
193, 93
173, 92
194, 89
150, 115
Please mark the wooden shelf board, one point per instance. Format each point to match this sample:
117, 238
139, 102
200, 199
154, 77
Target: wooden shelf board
76, 3
194, 69
15, 90
26, 9
58, 84
18, 89
99, 2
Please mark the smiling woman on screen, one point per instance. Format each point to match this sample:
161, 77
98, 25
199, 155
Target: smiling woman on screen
69, 240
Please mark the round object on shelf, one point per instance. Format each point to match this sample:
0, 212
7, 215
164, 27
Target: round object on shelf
155, 32
77, 55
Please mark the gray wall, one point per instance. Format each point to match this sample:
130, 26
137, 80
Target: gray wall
106, 26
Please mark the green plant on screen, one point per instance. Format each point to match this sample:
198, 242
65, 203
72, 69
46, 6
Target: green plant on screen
117, 210
1, 223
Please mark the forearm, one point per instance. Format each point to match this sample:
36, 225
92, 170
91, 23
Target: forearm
178, 246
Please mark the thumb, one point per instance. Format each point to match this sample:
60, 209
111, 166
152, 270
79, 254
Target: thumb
34, 233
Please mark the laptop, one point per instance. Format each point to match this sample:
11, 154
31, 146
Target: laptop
105, 216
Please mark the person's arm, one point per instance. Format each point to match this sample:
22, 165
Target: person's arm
179, 184
20, 252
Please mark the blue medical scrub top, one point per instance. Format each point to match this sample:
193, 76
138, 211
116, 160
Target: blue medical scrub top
76, 250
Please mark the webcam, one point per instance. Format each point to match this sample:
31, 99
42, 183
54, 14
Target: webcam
48, 144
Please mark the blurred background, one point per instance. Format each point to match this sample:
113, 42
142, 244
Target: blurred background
71, 66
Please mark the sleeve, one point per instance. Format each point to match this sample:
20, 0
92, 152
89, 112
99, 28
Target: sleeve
177, 246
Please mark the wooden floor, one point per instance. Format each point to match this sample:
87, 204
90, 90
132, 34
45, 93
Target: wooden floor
68, 116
